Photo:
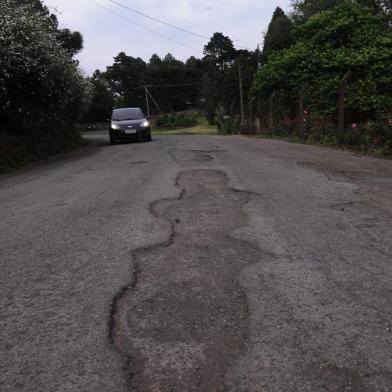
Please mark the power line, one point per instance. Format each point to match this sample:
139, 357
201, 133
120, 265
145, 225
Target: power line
168, 24
158, 20
144, 27
175, 85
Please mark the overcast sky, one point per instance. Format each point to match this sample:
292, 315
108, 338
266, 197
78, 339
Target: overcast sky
106, 34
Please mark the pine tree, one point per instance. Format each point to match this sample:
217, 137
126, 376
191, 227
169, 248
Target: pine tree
279, 34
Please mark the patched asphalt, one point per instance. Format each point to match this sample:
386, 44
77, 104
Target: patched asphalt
197, 264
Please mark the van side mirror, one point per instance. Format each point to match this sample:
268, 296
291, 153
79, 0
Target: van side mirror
107, 120
148, 118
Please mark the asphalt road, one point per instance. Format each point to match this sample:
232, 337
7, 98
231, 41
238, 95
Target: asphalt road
197, 263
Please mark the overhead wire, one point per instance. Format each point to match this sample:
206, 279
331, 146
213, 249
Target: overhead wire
167, 23
144, 27
158, 20
174, 85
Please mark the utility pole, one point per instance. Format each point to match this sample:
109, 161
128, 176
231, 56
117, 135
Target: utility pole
271, 111
258, 57
258, 67
241, 96
147, 102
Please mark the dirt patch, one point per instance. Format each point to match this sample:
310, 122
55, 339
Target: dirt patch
185, 320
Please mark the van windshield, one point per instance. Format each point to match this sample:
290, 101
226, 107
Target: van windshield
127, 114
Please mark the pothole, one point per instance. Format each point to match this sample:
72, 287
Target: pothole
185, 320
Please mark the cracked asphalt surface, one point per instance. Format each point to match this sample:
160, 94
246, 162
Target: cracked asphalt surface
197, 263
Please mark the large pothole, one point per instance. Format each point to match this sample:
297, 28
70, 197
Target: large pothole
185, 319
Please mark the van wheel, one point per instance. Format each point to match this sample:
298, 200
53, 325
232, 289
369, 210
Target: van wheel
148, 137
112, 140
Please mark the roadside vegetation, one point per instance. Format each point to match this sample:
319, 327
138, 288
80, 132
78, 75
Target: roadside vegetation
42, 92
323, 75
305, 56
330, 40
183, 123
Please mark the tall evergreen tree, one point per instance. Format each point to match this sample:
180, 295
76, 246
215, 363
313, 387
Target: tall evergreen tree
304, 9
279, 34
220, 51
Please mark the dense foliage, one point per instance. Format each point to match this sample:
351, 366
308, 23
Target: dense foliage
177, 120
347, 38
41, 89
102, 100
304, 9
220, 51
42, 93
279, 34
174, 85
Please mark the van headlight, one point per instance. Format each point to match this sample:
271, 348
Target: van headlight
115, 126
145, 124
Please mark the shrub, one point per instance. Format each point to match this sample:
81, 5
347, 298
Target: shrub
346, 38
176, 120
42, 91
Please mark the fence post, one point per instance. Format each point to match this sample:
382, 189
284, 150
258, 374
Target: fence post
271, 110
251, 122
342, 93
301, 105
241, 97
301, 100
232, 108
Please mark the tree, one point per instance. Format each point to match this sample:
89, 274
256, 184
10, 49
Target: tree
382, 8
102, 100
220, 51
347, 38
42, 92
304, 9
155, 61
72, 41
127, 77
209, 97
279, 34
166, 78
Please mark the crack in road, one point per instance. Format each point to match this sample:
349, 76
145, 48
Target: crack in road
183, 320
189, 157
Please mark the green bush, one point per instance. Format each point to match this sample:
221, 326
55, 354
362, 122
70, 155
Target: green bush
42, 92
368, 137
177, 120
230, 126
347, 38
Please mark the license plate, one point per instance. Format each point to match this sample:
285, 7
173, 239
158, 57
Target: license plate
130, 131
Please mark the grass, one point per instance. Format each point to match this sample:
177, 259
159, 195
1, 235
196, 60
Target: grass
201, 129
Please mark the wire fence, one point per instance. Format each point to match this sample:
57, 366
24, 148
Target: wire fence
313, 116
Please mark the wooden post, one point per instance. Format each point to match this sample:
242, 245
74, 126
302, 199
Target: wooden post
301, 100
258, 125
241, 96
301, 105
342, 93
271, 110
232, 108
251, 122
